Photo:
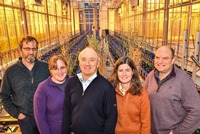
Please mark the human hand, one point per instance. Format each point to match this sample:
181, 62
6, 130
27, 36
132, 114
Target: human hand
21, 116
171, 132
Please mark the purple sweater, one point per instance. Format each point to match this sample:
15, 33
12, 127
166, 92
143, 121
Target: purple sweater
48, 107
175, 103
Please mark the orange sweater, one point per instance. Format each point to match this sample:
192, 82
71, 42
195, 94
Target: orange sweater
133, 113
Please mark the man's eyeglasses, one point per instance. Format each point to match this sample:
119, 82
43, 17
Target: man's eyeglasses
29, 49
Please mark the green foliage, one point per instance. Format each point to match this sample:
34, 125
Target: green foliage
94, 43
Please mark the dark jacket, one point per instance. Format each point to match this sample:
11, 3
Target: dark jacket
19, 85
93, 112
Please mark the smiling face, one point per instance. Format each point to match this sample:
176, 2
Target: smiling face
58, 69
124, 73
164, 61
29, 51
88, 62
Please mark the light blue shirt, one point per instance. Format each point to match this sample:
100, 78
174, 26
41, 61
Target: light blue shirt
86, 83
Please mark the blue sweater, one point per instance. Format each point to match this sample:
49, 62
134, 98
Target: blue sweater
95, 112
48, 106
19, 85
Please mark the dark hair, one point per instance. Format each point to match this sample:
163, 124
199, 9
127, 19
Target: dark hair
136, 85
26, 40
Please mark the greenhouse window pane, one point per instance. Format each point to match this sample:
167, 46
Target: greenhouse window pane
4, 46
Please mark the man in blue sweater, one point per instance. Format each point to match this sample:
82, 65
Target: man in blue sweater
20, 82
90, 103
175, 102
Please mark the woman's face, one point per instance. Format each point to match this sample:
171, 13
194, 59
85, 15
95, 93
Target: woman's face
124, 73
59, 74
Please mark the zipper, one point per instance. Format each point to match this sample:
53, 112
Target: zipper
83, 93
32, 80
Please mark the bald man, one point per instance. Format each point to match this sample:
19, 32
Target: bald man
175, 102
90, 103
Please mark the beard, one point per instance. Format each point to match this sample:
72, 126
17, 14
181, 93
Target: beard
30, 58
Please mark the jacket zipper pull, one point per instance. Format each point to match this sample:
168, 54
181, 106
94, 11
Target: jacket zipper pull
83, 93
32, 80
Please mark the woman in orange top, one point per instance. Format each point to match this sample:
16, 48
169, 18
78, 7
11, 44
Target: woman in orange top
132, 100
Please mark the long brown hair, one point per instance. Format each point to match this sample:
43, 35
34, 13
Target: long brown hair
136, 85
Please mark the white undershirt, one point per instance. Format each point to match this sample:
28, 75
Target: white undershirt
121, 89
86, 83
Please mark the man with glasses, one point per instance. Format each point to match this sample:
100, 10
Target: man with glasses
19, 85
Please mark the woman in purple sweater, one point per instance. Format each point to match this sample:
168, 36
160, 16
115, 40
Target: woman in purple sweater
49, 97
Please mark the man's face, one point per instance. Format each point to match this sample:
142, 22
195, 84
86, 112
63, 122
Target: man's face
164, 61
29, 51
88, 62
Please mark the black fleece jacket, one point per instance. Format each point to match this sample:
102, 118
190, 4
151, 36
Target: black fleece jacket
19, 85
93, 112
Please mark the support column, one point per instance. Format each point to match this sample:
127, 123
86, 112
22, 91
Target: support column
184, 50
196, 55
95, 19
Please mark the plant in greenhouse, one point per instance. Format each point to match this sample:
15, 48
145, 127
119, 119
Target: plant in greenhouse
132, 42
92, 40
102, 50
70, 57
